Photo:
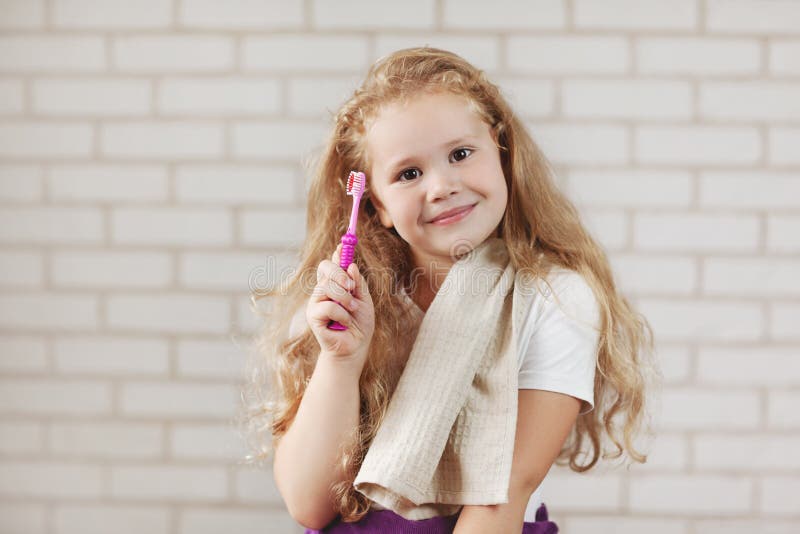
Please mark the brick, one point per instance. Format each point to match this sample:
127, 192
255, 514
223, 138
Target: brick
623, 525
749, 101
639, 16
69, 518
483, 52
176, 399
221, 360
504, 14
698, 409
675, 362
690, 495
271, 271
698, 232
668, 452
230, 271
304, 52
19, 14
779, 496
51, 54
236, 184
528, 98
21, 437
104, 269
743, 189
168, 482
263, 15
256, 485
168, 313
108, 183
610, 227
106, 439
54, 397
273, 227
247, 321
583, 144
782, 409
637, 189
171, 226
50, 480
744, 526
12, 97
568, 55
782, 143
626, 99
108, 355
784, 57
276, 140
360, 15
204, 97
170, 139
757, 366
212, 521
654, 275
697, 145
22, 517
173, 53
208, 442
587, 492
757, 277
45, 140
21, 269
783, 233
111, 14
22, 354
318, 96
20, 182
94, 97
697, 56
752, 16
48, 311
746, 454
46, 225
785, 318
700, 320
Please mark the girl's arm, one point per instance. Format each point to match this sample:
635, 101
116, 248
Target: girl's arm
544, 420
305, 465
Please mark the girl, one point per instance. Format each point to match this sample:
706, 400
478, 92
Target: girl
453, 179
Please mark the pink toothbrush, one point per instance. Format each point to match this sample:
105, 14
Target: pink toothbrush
355, 188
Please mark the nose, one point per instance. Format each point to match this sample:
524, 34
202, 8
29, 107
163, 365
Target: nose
442, 183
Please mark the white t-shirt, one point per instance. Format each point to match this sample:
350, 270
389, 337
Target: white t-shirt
558, 349
558, 345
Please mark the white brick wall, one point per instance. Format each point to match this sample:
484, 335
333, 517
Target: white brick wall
152, 169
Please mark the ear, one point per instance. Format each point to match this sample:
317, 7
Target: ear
383, 215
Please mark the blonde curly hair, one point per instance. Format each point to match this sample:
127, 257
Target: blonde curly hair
541, 229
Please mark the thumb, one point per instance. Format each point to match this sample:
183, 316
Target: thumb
336, 254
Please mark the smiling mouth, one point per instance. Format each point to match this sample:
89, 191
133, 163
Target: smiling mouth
453, 217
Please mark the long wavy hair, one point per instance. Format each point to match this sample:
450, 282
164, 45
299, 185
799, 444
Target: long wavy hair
541, 229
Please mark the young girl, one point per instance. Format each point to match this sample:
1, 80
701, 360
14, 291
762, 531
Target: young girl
453, 179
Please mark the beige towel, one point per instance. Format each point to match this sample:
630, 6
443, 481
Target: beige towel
448, 435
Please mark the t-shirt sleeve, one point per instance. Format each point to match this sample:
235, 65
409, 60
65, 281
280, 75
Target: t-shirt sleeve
562, 333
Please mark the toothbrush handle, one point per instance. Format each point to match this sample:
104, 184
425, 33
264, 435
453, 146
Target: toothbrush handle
349, 241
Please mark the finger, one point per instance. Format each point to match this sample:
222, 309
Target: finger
330, 311
360, 289
337, 254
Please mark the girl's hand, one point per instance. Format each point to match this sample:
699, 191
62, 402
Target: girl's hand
332, 285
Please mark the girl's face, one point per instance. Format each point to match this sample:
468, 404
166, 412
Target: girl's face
430, 156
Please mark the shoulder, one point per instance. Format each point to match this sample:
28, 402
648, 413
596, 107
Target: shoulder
567, 295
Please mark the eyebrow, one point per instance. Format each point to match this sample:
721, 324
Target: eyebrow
408, 159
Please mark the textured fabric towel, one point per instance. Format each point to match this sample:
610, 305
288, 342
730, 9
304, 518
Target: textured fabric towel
447, 438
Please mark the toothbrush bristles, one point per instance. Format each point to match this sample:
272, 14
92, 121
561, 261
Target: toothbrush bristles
355, 183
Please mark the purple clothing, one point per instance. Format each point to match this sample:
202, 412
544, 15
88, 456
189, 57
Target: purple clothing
388, 522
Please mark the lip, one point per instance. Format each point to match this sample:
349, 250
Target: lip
453, 215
